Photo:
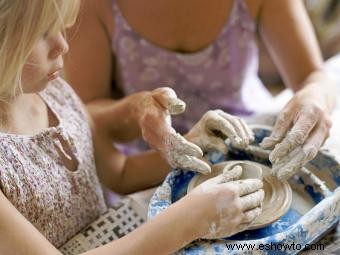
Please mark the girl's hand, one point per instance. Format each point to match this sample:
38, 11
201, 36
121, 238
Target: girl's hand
224, 206
215, 126
300, 130
153, 112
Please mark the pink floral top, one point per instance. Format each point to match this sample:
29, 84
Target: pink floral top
57, 201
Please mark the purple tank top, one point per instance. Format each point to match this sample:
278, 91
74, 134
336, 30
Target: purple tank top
220, 76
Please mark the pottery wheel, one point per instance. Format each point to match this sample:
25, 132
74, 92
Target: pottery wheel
277, 199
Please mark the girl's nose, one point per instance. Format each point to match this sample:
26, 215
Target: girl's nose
60, 46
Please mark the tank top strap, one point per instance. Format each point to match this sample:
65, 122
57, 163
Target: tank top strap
240, 16
114, 6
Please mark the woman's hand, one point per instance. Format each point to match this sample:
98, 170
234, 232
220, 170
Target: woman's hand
300, 130
224, 206
215, 126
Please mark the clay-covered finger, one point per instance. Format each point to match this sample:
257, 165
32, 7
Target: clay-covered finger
168, 99
296, 136
217, 123
238, 126
281, 127
245, 187
193, 164
175, 143
251, 215
176, 106
243, 226
231, 174
243, 133
316, 140
248, 131
252, 200
289, 165
296, 159
215, 143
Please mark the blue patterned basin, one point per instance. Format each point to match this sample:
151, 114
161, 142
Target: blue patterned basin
314, 211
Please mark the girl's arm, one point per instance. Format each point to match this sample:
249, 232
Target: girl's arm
124, 174
19, 236
183, 222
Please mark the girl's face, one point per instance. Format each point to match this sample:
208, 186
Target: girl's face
44, 63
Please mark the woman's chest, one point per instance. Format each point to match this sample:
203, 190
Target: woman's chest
183, 26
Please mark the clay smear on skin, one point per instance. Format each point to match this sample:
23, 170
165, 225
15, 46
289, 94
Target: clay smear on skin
181, 153
222, 205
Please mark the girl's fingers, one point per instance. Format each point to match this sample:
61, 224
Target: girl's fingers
245, 187
192, 163
238, 126
251, 215
248, 131
217, 123
214, 143
231, 175
177, 144
252, 200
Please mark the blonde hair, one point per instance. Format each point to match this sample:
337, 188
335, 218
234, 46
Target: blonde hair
22, 24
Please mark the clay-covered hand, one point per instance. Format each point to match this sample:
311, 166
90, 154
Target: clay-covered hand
300, 130
224, 206
215, 126
154, 112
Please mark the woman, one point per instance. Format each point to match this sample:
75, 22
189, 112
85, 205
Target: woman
207, 52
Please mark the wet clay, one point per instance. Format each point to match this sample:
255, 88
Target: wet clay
277, 199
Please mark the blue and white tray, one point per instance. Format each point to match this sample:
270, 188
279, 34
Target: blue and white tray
314, 212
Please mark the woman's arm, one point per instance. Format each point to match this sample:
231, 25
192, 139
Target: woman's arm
304, 123
289, 37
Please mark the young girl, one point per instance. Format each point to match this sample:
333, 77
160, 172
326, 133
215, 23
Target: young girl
49, 155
